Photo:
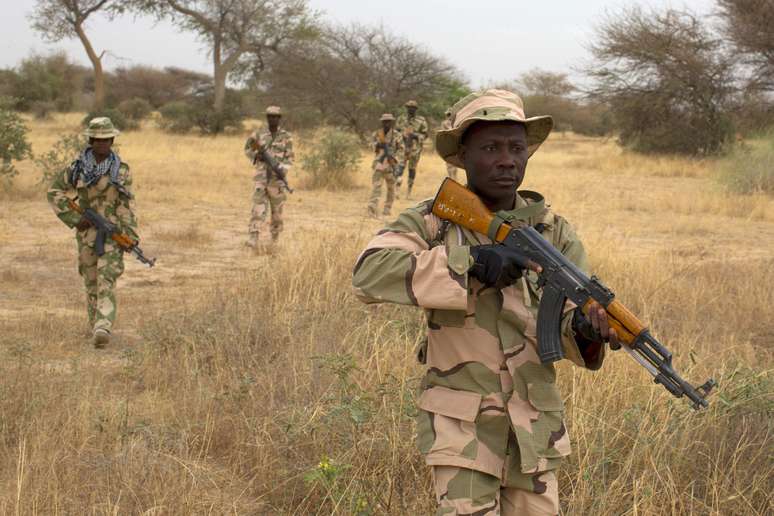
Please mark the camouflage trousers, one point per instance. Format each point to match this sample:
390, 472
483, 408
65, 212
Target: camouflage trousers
387, 175
267, 199
411, 162
461, 491
451, 171
100, 274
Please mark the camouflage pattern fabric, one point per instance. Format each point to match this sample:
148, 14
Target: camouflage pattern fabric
383, 170
451, 170
484, 378
99, 273
412, 126
269, 195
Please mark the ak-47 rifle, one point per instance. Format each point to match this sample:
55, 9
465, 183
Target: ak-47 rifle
274, 167
560, 280
387, 154
106, 229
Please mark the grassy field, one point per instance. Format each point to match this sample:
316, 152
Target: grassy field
244, 384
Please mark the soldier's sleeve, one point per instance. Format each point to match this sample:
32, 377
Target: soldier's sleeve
399, 266
125, 205
57, 196
400, 150
581, 352
288, 156
250, 146
423, 129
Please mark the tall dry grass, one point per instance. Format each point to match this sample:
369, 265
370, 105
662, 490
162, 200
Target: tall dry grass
242, 384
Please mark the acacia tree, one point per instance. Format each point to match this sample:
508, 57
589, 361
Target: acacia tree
666, 80
60, 19
234, 29
749, 24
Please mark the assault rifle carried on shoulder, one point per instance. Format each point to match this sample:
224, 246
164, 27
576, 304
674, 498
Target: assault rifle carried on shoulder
560, 280
106, 229
274, 166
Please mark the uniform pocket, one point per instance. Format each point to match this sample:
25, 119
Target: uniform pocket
545, 397
462, 405
451, 318
446, 422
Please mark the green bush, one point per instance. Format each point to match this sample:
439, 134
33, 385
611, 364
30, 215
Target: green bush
120, 120
42, 109
64, 151
749, 167
13, 140
135, 108
333, 160
176, 117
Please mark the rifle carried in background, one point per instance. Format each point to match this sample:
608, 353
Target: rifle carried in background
274, 167
387, 154
560, 280
106, 229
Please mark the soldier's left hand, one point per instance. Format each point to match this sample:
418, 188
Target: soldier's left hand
597, 327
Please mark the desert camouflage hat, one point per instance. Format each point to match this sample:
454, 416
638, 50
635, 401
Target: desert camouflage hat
101, 127
274, 110
411, 103
387, 117
493, 106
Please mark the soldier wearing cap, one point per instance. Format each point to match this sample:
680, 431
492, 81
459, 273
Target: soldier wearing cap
388, 156
269, 194
451, 170
102, 182
490, 421
414, 129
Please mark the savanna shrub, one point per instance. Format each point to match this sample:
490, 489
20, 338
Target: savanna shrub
749, 167
13, 140
332, 160
135, 108
177, 117
42, 109
64, 151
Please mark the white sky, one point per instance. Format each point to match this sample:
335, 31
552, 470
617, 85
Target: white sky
488, 41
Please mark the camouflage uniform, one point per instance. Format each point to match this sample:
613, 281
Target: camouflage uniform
451, 170
269, 192
491, 420
414, 131
383, 170
111, 198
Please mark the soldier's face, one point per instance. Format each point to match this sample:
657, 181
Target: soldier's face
495, 158
386, 125
411, 110
273, 120
101, 146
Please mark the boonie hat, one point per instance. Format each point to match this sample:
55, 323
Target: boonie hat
101, 127
411, 103
274, 110
492, 106
387, 116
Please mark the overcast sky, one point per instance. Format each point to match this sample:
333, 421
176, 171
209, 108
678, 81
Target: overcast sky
488, 41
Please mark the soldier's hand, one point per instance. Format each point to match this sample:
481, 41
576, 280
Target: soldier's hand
496, 265
83, 225
595, 327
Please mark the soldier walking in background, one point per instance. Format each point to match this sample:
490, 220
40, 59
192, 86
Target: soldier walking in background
269, 192
388, 156
414, 129
102, 182
451, 170
490, 422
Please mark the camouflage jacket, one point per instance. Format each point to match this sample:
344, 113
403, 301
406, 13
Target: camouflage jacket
484, 376
416, 126
394, 140
279, 146
111, 200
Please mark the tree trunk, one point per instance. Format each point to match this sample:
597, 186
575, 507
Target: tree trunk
96, 63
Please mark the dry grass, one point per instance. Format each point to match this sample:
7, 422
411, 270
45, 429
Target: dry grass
250, 384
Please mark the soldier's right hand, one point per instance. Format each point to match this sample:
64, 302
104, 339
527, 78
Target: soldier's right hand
83, 225
496, 265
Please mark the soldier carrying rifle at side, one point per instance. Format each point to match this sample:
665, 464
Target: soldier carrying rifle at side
388, 156
414, 129
265, 148
104, 220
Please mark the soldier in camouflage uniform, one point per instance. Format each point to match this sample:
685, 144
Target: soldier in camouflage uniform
491, 421
101, 181
451, 170
269, 192
385, 140
414, 129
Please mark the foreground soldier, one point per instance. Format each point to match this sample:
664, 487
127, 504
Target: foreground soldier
491, 417
101, 182
388, 156
269, 190
414, 129
451, 170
